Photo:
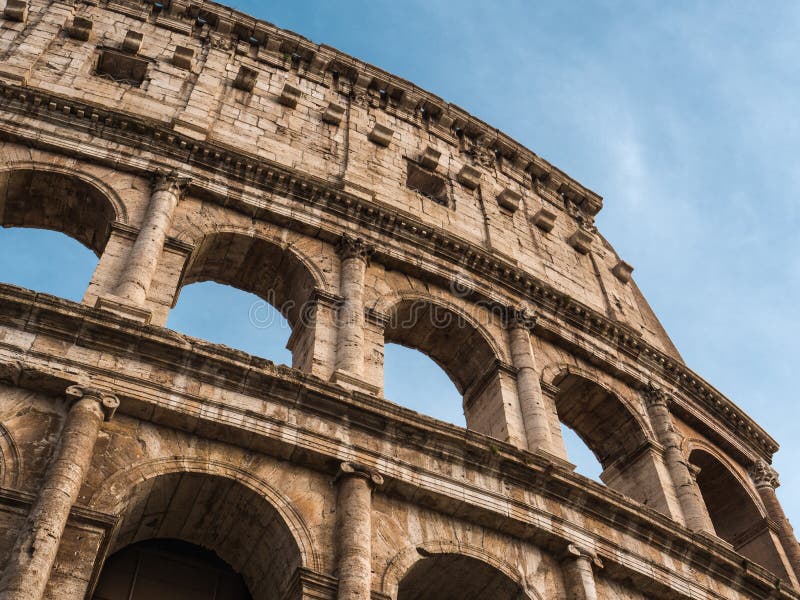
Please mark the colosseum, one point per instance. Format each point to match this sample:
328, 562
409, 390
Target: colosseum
182, 142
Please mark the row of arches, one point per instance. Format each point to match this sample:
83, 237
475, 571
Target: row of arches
221, 535
286, 280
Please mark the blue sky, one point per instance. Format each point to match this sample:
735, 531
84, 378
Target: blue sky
683, 116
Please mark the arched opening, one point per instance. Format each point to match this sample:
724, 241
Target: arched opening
734, 513
217, 514
463, 351
412, 379
169, 569
46, 261
456, 577
281, 285
581, 455
225, 315
610, 429
61, 204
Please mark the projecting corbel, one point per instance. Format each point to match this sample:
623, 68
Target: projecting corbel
381, 135
16, 10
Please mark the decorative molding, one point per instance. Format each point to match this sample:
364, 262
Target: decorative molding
353, 247
109, 403
351, 469
763, 475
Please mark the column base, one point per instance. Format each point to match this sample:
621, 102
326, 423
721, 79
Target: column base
124, 308
354, 382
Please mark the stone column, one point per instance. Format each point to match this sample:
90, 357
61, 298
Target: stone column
535, 416
135, 280
354, 254
28, 568
579, 574
354, 530
766, 480
690, 499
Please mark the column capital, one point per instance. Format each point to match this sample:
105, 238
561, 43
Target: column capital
576, 551
351, 469
351, 247
653, 395
763, 475
520, 318
170, 181
108, 402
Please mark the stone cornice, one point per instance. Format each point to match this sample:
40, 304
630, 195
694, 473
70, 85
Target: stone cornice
385, 220
322, 64
259, 378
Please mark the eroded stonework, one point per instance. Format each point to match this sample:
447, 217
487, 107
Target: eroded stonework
187, 142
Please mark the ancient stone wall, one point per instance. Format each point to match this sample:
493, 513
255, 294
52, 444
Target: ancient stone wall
186, 142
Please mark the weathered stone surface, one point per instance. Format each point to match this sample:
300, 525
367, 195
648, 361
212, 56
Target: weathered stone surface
209, 146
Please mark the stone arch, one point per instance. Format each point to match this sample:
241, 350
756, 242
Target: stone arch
276, 271
464, 349
615, 430
114, 494
405, 560
10, 460
73, 202
736, 513
610, 425
420, 320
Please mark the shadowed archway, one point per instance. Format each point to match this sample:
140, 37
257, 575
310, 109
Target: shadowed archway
457, 577
220, 515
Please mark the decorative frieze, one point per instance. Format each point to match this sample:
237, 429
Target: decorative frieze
381, 135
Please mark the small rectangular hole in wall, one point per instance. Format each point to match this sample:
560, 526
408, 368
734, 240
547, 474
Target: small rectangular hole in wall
427, 183
121, 67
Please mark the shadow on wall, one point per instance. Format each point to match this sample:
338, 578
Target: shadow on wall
46, 261
225, 315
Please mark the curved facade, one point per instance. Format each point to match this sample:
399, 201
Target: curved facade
186, 142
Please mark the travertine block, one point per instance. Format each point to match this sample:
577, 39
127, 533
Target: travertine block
509, 199
80, 29
16, 10
182, 57
381, 135
582, 241
333, 113
622, 271
430, 158
289, 96
469, 177
544, 219
132, 42
246, 78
